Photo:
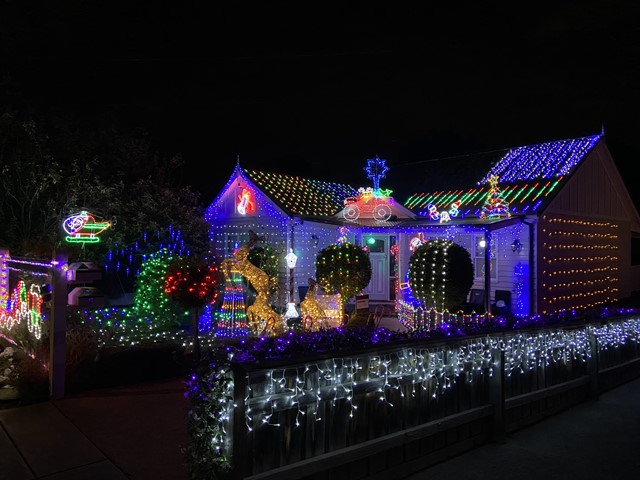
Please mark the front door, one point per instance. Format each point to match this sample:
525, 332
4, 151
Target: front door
378, 245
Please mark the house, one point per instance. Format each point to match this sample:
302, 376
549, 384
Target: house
553, 221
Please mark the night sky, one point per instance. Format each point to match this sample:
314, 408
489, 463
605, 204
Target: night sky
317, 88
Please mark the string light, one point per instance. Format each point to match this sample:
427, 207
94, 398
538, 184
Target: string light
303, 196
544, 160
580, 269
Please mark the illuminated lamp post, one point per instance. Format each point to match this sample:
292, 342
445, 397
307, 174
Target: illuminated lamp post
291, 259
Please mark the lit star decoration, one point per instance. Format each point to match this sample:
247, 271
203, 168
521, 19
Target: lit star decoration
370, 202
84, 228
376, 169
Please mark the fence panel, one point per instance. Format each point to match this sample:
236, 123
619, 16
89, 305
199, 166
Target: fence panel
387, 411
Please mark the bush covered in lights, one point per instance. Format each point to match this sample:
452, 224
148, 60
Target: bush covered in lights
193, 283
150, 300
343, 268
440, 274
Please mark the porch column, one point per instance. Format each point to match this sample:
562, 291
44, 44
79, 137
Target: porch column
487, 270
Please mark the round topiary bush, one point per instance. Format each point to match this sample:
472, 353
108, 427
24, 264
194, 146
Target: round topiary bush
440, 274
343, 268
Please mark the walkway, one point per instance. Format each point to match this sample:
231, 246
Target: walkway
133, 432
593, 440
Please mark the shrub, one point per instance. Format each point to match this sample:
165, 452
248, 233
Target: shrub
440, 274
343, 268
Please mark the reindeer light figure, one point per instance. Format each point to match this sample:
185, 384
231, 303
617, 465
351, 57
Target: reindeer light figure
260, 309
310, 309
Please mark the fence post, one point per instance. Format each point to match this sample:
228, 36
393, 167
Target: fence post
592, 367
496, 396
58, 326
4, 278
239, 457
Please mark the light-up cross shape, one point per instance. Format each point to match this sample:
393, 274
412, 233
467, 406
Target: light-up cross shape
376, 168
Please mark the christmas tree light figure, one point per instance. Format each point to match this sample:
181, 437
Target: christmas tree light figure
495, 206
232, 315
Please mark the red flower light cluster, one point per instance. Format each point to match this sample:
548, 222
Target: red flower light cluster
192, 283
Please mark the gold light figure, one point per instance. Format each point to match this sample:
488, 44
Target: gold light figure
310, 309
259, 279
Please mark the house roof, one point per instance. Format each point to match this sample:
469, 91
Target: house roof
528, 177
302, 196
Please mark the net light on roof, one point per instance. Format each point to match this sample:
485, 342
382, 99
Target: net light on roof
544, 160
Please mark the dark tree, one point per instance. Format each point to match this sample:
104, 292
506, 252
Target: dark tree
56, 166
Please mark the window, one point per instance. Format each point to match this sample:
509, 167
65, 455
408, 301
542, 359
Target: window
479, 267
375, 245
478, 261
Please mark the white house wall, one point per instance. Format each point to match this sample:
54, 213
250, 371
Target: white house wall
512, 268
308, 239
593, 209
229, 228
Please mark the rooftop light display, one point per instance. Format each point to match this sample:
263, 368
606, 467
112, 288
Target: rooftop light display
544, 160
303, 196
527, 175
522, 198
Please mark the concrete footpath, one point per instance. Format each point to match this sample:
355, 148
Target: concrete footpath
129, 432
139, 432
595, 440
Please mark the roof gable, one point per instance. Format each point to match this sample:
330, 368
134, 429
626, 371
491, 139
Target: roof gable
241, 198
